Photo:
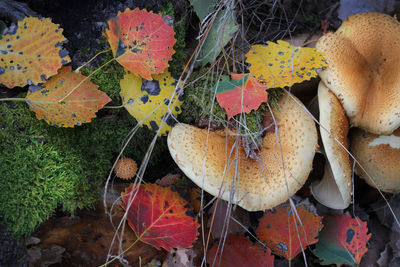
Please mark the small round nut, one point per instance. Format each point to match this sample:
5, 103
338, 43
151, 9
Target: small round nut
125, 168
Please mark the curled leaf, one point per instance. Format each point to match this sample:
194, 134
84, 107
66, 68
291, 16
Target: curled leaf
156, 102
141, 41
161, 217
31, 52
281, 64
79, 107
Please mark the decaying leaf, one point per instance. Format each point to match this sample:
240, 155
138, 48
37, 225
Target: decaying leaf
240, 252
152, 101
342, 241
282, 230
31, 52
242, 93
161, 217
141, 41
219, 35
280, 64
181, 257
79, 107
203, 7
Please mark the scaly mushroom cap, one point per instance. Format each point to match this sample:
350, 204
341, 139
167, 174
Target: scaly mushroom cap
209, 159
334, 125
379, 156
125, 168
363, 70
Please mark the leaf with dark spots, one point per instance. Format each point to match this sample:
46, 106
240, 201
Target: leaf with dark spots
162, 219
141, 41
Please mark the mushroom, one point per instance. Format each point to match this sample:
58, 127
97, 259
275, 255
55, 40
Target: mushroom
125, 168
334, 190
285, 159
379, 157
364, 70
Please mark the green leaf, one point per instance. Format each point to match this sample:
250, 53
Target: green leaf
220, 34
202, 7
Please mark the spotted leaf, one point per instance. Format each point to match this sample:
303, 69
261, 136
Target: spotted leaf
141, 41
156, 102
239, 251
342, 241
240, 94
280, 64
285, 234
160, 216
79, 107
31, 52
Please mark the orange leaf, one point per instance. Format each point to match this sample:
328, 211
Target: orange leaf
32, 52
281, 230
161, 217
239, 251
77, 108
141, 41
241, 94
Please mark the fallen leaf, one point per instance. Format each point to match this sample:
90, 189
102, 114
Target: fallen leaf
282, 230
32, 52
239, 251
141, 41
151, 101
241, 94
219, 35
168, 179
161, 217
181, 257
203, 7
79, 107
342, 241
280, 64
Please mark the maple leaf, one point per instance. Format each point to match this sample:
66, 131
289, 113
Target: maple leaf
141, 41
239, 251
161, 217
79, 107
281, 230
241, 94
32, 52
342, 241
151, 101
280, 65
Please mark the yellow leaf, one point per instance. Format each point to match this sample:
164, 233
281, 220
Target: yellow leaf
281, 64
32, 52
151, 100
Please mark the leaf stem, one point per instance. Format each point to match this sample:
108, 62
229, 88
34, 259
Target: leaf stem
13, 99
121, 106
104, 51
87, 77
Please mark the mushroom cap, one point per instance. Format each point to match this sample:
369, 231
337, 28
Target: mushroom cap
363, 70
125, 168
379, 156
210, 160
334, 128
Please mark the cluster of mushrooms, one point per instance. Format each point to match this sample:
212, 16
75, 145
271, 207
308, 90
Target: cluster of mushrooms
359, 88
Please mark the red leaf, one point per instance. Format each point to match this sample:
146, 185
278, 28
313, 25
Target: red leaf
241, 94
342, 241
278, 229
79, 107
161, 217
239, 251
141, 41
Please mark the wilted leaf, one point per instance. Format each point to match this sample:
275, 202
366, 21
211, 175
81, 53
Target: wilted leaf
282, 231
161, 217
241, 94
32, 52
79, 107
203, 7
151, 100
342, 241
280, 65
238, 251
141, 41
219, 35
